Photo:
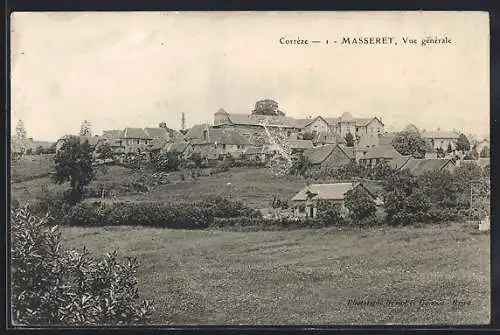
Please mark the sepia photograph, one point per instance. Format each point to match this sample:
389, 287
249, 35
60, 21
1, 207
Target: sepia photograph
249, 168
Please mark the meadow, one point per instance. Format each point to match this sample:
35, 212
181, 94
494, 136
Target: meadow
430, 275
437, 274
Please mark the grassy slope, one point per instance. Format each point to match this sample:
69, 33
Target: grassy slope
254, 186
31, 167
307, 276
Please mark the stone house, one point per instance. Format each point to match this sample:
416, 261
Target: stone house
299, 146
305, 202
418, 167
135, 140
329, 156
375, 155
441, 139
313, 126
215, 142
356, 126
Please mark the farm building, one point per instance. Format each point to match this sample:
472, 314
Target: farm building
378, 154
441, 139
306, 200
327, 137
329, 156
418, 167
212, 142
299, 145
135, 140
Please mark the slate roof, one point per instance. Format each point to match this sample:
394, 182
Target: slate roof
196, 131
136, 133
360, 122
156, 132
368, 141
440, 134
386, 152
317, 155
252, 119
385, 139
325, 191
178, 146
418, 167
398, 162
112, 134
220, 136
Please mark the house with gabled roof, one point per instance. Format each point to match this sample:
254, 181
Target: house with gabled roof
328, 137
214, 142
441, 139
356, 126
330, 156
298, 146
135, 140
418, 167
378, 154
305, 202
157, 132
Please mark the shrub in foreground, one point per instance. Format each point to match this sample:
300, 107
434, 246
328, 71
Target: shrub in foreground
51, 285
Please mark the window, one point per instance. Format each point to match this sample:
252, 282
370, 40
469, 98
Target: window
138, 141
224, 146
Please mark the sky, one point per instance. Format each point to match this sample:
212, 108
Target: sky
130, 69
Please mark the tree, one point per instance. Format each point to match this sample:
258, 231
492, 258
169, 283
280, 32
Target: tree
410, 143
485, 152
20, 130
197, 159
361, 206
349, 139
463, 143
440, 153
381, 171
405, 202
329, 213
450, 149
162, 125
267, 107
85, 129
73, 163
166, 161
301, 166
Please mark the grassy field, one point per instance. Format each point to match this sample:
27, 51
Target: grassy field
31, 167
306, 276
256, 187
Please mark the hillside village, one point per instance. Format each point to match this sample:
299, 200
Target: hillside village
322, 139
335, 147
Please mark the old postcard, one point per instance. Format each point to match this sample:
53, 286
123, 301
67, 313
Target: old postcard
250, 168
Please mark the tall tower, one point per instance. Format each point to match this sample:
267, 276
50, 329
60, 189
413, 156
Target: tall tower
183, 121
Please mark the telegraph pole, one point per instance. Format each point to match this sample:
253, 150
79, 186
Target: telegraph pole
183, 122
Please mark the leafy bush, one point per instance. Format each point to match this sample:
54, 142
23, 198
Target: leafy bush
360, 204
54, 286
329, 214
